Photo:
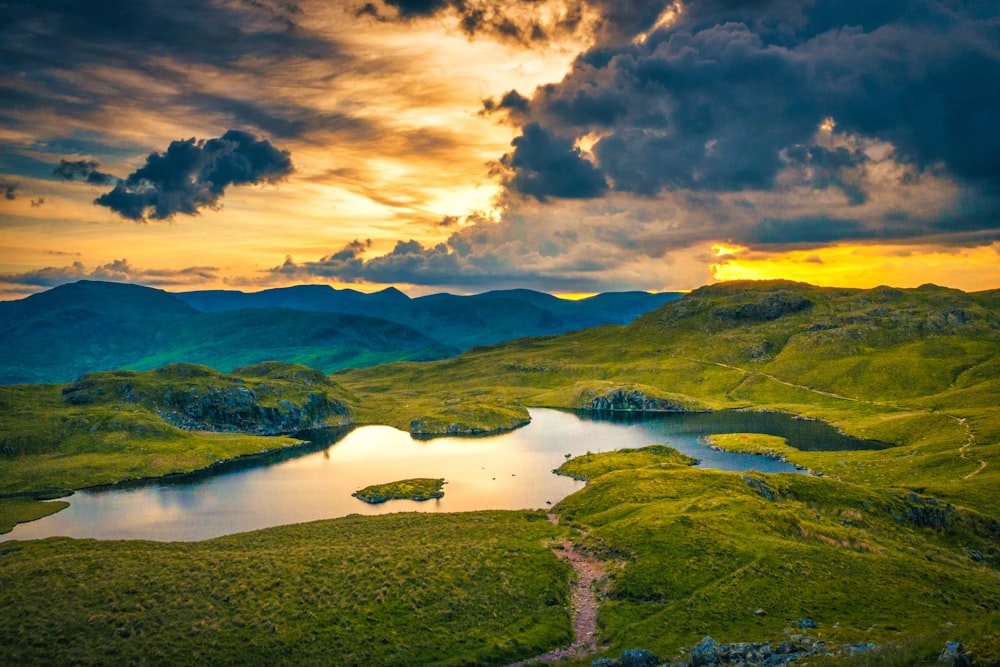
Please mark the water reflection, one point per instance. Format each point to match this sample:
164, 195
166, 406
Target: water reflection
508, 471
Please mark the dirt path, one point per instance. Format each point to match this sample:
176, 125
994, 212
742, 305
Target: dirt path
750, 374
584, 604
963, 451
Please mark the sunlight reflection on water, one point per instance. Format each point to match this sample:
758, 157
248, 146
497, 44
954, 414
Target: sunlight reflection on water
508, 471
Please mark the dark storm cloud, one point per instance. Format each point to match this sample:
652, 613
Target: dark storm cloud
192, 175
69, 170
410, 262
517, 21
811, 230
543, 165
411, 8
733, 93
512, 104
830, 167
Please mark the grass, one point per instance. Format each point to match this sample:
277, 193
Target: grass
592, 465
889, 546
741, 557
419, 488
415, 589
108, 427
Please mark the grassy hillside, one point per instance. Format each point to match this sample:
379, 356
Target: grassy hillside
404, 589
744, 557
897, 546
58, 335
120, 425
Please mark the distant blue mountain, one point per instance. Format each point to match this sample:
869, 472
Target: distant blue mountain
457, 321
60, 334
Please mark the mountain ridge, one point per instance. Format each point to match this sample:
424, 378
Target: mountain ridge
88, 326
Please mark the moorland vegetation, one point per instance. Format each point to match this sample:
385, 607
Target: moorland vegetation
898, 546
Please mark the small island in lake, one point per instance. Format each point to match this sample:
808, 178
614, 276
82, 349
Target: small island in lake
421, 488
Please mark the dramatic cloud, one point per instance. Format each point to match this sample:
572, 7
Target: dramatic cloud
518, 21
84, 169
722, 98
577, 145
544, 165
192, 175
119, 270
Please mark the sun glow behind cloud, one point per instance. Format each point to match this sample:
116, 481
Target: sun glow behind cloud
969, 269
639, 136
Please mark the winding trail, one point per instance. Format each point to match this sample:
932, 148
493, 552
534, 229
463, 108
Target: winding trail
584, 605
773, 378
963, 451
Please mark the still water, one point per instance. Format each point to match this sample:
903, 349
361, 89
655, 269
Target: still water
508, 471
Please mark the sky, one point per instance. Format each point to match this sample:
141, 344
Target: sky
569, 146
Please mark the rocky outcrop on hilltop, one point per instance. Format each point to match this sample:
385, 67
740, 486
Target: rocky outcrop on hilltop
237, 409
265, 399
634, 400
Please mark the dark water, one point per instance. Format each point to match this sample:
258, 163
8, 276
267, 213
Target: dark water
508, 471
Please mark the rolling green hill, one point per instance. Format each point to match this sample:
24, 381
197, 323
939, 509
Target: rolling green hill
896, 548
124, 425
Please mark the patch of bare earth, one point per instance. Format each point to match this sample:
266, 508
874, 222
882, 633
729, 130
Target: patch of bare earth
584, 604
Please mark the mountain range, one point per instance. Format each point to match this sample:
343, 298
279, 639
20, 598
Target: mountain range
87, 326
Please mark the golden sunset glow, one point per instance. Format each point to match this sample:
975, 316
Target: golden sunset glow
572, 147
871, 266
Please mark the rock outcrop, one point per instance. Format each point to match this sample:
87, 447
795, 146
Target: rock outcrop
237, 409
625, 400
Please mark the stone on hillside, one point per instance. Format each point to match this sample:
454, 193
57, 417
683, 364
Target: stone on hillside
638, 657
605, 662
760, 485
954, 655
705, 652
806, 623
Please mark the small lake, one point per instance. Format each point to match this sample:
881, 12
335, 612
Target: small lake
508, 471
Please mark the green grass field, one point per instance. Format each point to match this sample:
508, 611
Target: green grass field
413, 589
896, 546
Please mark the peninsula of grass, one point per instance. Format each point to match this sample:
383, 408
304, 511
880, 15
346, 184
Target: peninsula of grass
589, 465
418, 488
23, 509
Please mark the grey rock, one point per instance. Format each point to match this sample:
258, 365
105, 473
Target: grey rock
623, 400
638, 658
605, 662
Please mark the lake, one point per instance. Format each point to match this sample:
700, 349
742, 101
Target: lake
508, 471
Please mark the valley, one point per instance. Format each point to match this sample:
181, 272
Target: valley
896, 546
